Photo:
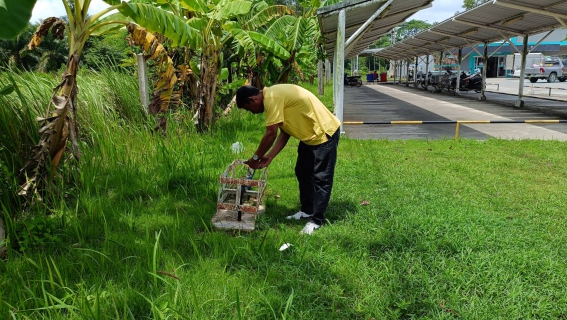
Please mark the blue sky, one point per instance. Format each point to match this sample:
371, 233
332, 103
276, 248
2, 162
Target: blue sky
441, 10
54, 8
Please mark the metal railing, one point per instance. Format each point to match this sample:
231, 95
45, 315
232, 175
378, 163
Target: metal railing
549, 88
494, 84
456, 122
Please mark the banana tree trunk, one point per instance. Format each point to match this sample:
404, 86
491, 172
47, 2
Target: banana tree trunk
3, 248
209, 77
288, 65
254, 78
64, 126
56, 128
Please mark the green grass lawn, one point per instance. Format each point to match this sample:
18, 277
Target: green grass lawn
417, 229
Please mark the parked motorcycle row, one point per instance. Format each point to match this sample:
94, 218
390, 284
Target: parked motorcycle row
353, 81
448, 81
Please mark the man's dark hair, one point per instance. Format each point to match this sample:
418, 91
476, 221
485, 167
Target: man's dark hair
243, 93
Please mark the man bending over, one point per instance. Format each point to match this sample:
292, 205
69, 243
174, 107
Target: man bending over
298, 113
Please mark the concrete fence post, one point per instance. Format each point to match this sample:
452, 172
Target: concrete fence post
327, 71
320, 80
143, 81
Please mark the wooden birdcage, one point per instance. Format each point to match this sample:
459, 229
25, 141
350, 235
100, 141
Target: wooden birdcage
239, 199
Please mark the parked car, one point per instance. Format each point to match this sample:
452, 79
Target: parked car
539, 66
563, 78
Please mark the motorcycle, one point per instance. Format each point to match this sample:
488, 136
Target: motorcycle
353, 81
442, 81
453, 87
472, 82
420, 80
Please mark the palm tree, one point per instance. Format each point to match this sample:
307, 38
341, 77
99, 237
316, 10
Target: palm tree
13, 52
53, 54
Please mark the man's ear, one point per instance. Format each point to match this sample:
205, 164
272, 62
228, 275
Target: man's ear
252, 99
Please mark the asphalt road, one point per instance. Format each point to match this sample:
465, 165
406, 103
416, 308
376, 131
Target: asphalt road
387, 102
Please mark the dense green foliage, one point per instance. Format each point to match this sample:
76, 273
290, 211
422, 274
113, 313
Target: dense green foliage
51, 55
109, 49
405, 30
469, 4
452, 228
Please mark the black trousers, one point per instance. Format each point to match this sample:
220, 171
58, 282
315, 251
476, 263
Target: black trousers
315, 170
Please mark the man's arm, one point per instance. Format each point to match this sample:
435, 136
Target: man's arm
265, 145
283, 138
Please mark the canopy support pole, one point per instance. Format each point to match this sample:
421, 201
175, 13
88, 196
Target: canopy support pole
401, 71
484, 67
407, 72
520, 103
394, 67
398, 76
427, 72
415, 72
327, 71
338, 82
320, 80
459, 60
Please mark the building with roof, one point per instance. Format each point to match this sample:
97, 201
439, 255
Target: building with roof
550, 44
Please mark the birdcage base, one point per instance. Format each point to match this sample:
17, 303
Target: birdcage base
228, 220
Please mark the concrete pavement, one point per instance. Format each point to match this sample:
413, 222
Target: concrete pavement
397, 102
541, 89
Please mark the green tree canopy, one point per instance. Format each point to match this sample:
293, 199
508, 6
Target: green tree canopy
410, 29
404, 31
469, 4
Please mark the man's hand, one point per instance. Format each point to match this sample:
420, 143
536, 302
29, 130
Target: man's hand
265, 161
254, 164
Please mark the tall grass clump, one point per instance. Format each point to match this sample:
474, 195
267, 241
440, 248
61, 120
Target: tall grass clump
18, 126
98, 113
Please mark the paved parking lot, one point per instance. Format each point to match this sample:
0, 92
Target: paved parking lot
387, 102
540, 89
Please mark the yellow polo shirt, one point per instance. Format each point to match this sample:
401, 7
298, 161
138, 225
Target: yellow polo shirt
303, 115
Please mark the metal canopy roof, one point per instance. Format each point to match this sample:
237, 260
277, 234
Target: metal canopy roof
496, 20
358, 12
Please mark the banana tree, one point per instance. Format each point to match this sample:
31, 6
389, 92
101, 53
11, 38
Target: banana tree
255, 60
219, 25
299, 36
58, 125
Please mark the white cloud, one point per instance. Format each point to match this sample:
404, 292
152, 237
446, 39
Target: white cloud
440, 11
54, 8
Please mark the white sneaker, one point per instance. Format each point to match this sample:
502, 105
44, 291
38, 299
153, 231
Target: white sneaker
309, 228
299, 215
